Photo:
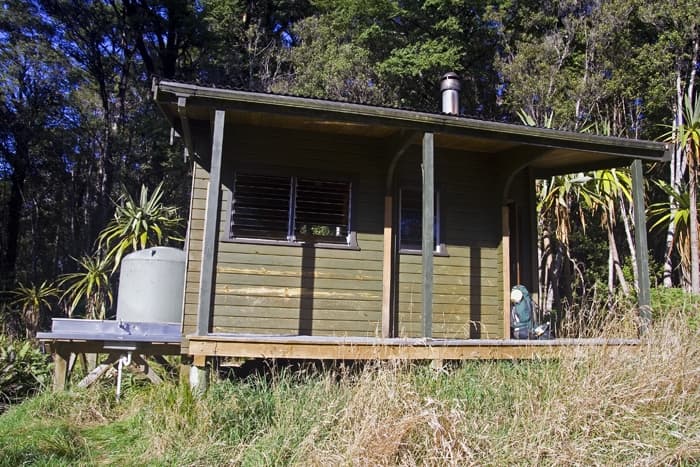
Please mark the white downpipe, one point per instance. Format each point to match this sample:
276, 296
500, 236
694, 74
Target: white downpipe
122, 361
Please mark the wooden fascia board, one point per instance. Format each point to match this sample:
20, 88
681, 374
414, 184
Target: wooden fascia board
583, 167
411, 120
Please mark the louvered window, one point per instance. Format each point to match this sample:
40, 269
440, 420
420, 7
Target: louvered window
294, 209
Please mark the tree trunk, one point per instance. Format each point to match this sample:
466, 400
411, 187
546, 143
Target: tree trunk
675, 179
630, 240
614, 267
693, 224
14, 218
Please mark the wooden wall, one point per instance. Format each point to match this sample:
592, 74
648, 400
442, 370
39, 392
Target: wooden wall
193, 247
283, 289
467, 282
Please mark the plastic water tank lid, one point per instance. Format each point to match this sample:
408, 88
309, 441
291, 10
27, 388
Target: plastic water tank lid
160, 253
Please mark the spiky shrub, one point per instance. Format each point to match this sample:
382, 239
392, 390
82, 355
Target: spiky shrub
24, 371
10, 322
139, 224
89, 285
32, 300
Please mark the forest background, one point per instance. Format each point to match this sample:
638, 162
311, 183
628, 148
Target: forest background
78, 127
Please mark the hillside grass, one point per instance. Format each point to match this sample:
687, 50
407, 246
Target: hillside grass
601, 406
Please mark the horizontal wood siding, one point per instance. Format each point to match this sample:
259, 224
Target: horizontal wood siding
282, 289
195, 230
467, 283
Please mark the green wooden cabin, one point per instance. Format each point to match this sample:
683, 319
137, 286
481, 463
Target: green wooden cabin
317, 218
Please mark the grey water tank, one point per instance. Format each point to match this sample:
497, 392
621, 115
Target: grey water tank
151, 285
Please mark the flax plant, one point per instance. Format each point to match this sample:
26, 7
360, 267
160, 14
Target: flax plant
90, 283
33, 299
139, 224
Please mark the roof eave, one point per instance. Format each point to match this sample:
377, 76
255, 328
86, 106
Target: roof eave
167, 92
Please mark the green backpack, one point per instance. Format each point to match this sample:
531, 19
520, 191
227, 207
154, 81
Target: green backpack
521, 313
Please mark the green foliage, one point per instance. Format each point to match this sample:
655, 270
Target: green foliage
32, 300
139, 225
76, 116
669, 301
24, 371
11, 326
90, 283
676, 210
661, 212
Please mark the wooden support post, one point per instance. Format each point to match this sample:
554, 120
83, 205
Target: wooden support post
97, 372
60, 370
211, 225
199, 379
505, 247
387, 265
146, 369
428, 232
640, 234
388, 288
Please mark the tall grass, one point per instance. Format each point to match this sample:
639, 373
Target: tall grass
598, 406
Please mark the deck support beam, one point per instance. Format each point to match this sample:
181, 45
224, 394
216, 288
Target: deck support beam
358, 348
640, 234
211, 226
428, 232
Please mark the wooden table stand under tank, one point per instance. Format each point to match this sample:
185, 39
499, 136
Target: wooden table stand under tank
123, 342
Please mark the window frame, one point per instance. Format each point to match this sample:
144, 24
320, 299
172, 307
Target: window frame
291, 240
440, 247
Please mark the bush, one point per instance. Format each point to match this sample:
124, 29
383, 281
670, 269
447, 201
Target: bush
24, 371
672, 301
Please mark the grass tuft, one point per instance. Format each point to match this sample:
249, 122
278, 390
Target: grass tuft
596, 406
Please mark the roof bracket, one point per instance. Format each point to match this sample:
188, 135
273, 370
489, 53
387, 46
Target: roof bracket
185, 121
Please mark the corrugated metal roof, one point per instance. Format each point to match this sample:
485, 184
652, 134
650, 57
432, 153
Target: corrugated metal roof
330, 99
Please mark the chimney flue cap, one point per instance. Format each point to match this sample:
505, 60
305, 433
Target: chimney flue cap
450, 81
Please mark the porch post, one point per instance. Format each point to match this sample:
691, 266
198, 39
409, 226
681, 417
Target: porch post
505, 246
428, 232
387, 263
211, 216
640, 234
388, 287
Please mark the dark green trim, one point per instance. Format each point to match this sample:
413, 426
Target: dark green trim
211, 227
428, 231
168, 92
640, 234
586, 167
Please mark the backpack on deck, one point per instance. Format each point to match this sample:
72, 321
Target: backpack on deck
521, 312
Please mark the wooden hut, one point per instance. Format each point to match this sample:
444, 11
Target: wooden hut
322, 229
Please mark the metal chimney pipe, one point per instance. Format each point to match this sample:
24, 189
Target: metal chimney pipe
450, 86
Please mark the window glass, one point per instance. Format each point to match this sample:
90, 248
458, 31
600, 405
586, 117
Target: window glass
321, 213
261, 206
411, 220
300, 209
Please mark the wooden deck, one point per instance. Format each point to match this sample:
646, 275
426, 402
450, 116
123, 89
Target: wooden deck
369, 348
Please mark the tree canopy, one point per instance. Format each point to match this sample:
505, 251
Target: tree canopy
77, 123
